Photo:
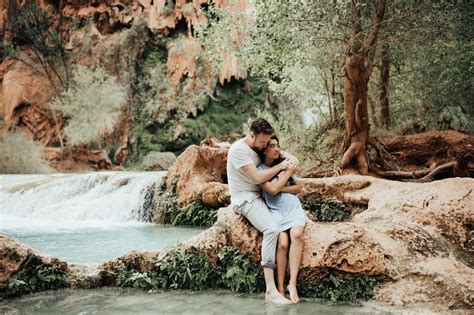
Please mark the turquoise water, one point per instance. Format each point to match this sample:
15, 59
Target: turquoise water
131, 301
92, 246
85, 218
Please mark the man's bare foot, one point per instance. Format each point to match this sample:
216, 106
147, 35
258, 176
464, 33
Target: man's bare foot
293, 293
276, 298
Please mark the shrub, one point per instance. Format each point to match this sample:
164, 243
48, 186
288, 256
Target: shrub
196, 214
136, 280
328, 209
166, 202
20, 155
93, 99
238, 273
184, 269
340, 290
34, 279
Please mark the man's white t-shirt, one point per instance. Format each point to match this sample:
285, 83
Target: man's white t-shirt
241, 188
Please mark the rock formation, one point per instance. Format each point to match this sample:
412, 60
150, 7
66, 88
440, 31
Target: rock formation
418, 242
202, 174
14, 255
115, 41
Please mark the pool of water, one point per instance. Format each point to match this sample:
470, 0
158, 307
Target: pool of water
85, 218
132, 301
92, 246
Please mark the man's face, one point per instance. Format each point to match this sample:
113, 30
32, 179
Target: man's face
259, 141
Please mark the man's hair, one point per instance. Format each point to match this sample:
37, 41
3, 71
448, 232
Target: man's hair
261, 126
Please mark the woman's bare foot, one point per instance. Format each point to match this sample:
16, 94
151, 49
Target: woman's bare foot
282, 290
293, 293
276, 298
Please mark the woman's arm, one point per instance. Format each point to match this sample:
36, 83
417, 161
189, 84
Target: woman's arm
275, 187
292, 189
291, 157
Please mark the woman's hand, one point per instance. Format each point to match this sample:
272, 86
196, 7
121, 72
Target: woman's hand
292, 168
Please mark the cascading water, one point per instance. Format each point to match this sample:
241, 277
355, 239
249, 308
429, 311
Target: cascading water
85, 218
79, 200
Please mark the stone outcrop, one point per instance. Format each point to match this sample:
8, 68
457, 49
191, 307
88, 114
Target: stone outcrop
25, 96
77, 159
117, 38
14, 255
416, 238
201, 172
135, 261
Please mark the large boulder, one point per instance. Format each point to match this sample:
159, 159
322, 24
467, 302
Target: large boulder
14, 255
201, 172
416, 238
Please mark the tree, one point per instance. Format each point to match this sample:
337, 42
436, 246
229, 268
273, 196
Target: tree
359, 66
91, 105
46, 54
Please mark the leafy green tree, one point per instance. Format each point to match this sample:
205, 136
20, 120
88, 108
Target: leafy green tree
91, 105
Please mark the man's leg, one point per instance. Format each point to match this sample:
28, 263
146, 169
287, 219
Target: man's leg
257, 213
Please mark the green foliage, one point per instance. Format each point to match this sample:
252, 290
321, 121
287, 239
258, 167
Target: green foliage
337, 289
136, 280
328, 209
166, 202
184, 269
167, 210
93, 99
181, 268
38, 278
196, 214
20, 155
33, 26
238, 273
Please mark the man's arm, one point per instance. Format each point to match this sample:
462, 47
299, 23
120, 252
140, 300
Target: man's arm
257, 177
273, 187
293, 159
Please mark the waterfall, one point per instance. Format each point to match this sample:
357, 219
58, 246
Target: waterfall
55, 201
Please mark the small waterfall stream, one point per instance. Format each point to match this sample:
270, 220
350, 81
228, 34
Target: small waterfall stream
85, 218
76, 200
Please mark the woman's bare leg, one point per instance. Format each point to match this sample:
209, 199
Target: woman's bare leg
296, 250
281, 260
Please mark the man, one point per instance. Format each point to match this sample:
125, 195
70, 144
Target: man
244, 178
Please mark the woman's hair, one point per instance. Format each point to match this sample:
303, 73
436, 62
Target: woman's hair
278, 160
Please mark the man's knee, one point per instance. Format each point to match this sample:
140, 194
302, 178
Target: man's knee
271, 232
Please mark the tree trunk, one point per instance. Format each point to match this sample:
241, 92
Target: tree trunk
384, 77
373, 112
358, 67
333, 92
356, 114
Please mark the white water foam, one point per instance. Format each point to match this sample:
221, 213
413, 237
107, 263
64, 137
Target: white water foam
69, 201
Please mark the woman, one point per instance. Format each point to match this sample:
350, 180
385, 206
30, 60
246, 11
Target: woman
280, 196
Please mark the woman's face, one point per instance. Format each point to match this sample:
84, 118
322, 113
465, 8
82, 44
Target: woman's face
273, 149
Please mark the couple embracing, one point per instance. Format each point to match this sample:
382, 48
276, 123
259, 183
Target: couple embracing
263, 188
